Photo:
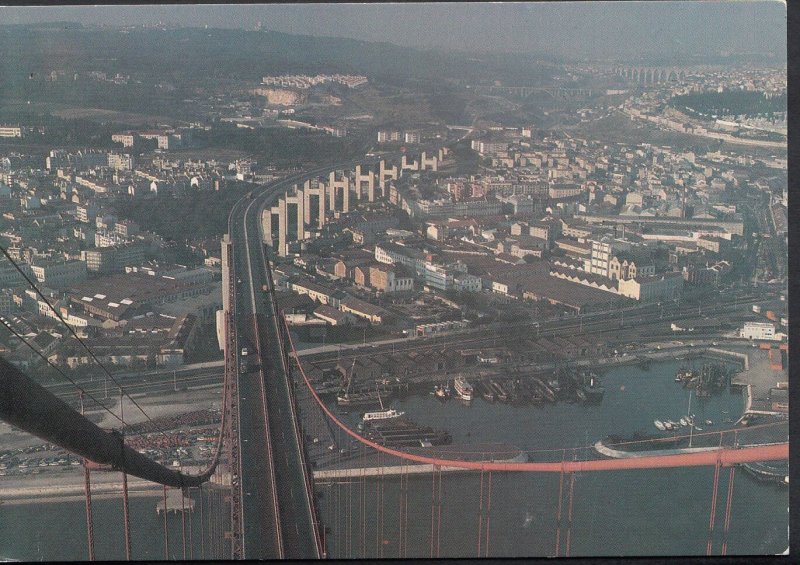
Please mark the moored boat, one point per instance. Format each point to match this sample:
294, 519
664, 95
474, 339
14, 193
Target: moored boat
381, 415
463, 388
659, 424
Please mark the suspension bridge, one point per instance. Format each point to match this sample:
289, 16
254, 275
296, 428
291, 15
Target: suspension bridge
258, 498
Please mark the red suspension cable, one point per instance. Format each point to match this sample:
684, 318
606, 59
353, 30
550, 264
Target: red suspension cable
558, 512
728, 503
713, 510
569, 514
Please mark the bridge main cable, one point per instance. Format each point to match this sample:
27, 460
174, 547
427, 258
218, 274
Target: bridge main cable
26, 404
725, 457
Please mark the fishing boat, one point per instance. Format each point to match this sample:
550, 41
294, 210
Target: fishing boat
683, 421
659, 424
669, 426
593, 392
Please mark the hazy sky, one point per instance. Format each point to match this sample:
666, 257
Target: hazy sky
602, 28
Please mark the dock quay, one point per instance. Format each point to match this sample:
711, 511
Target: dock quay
377, 464
404, 372
401, 432
175, 503
765, 430
612, 453
765, 472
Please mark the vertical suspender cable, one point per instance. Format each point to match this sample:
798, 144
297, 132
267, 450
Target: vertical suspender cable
191, 542
183, 523
363, 510
439, 512
558, 512
713, 509
349, 518
728, 511
569, 508
125, 515
87, 487
166, 533
569, 514
378, 510
480, 516
126, 525
488, 514
383, 486
405, 517
433, 506
202, 527
89, 522
400, 518
211, 542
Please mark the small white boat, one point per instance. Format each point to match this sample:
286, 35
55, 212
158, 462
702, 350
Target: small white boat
684, 422
698, 428
709, 423
528, 520
668, 426
659, 424
381, 415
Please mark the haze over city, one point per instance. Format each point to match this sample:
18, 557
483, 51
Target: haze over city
624, 30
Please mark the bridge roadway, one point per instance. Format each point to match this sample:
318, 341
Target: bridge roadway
277, 507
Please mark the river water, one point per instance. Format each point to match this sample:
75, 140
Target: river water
652, 512
637, 512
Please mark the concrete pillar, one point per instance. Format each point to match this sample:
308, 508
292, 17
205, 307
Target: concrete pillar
226, 255
334, 187
269, 220
429, 163
385, 174
406, 165
318, 191
369, 178
282, 226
